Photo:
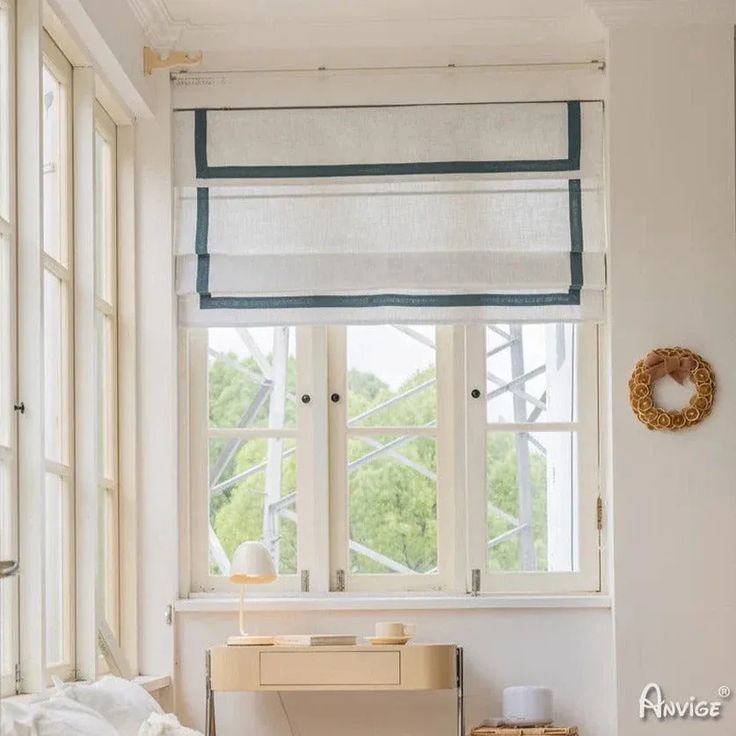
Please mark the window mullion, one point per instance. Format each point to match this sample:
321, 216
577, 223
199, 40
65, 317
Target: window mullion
475, 452
587, 455
451, 438
313, 531
89, 596
338, 481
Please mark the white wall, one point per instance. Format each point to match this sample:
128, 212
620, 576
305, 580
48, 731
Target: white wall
670, 116
569, 650
672, 268
157, 370
112, 40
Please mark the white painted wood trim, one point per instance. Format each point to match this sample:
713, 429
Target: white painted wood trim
313, 502
30, 344
9, 454
419, 602
475, 457
85, 445
153, 683
451, 500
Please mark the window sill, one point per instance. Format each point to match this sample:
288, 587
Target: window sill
207, 603
153, 683
150, 683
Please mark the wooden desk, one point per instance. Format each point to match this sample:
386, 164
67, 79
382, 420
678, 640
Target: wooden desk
370, 668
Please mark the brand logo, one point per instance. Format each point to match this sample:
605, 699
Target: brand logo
652, 702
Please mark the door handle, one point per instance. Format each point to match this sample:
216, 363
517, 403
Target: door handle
8, 568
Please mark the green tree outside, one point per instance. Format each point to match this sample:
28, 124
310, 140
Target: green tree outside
393, 508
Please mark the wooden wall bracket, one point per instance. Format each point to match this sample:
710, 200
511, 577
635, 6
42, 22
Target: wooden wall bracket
153, 60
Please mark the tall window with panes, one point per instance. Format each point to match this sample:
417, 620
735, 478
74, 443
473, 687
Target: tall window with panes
58, 346
458, 457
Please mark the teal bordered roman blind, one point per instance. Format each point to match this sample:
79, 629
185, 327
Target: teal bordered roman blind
410, 213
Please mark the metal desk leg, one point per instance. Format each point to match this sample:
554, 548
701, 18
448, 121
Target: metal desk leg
210, 729
460, 693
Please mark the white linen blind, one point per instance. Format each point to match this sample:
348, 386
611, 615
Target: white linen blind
412, 213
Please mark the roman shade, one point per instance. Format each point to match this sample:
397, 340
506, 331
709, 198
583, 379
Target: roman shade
412, 213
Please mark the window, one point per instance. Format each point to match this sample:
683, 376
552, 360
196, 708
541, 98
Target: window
8, 434
60, 318
533, 456
251, 421
449, 449
384, 441
106, 361
58, 343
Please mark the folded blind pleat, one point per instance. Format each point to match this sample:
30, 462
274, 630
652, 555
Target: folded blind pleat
436, 212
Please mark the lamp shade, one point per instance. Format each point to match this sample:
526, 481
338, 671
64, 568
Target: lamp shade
252, 564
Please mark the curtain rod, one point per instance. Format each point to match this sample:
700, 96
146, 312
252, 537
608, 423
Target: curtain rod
595, 64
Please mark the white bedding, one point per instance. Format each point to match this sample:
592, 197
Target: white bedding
109, 707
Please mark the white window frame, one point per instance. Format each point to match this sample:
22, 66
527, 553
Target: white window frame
309, 492
35, 47
340, 433
461, 437
60, 67
8, 392
587, 577
108, 308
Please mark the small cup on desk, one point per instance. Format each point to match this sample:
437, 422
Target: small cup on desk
395, 630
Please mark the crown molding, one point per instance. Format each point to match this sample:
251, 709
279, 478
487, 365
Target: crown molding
163, 31
663, 12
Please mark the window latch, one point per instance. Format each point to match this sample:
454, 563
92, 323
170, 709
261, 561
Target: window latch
340, 581
475, 581
20, 408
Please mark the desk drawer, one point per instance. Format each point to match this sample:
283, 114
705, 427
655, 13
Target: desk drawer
330, 668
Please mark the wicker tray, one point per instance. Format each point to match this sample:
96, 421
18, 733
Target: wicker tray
524, 731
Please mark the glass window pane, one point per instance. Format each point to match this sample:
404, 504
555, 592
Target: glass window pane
392, 504
55, 568
108, 554
532, 501
6, 350
252, 377
530, 373
54, 168
55, 367
106, 397
391, 376
253, 498
5, 77
104, 219
8, 599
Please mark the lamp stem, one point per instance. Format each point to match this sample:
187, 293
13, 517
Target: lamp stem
242, 601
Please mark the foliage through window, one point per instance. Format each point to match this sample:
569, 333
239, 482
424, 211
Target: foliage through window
411, 448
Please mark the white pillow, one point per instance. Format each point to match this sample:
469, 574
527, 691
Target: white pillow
123, 704
57, 717
165, 725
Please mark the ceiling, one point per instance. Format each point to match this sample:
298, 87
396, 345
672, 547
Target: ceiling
289, 34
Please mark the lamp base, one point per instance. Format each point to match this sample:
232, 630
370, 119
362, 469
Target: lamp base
250, 640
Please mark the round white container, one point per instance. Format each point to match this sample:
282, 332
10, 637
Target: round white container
527, 705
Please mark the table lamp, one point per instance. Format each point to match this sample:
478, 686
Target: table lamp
251, 565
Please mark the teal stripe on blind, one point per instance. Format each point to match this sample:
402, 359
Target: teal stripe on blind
205, 171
